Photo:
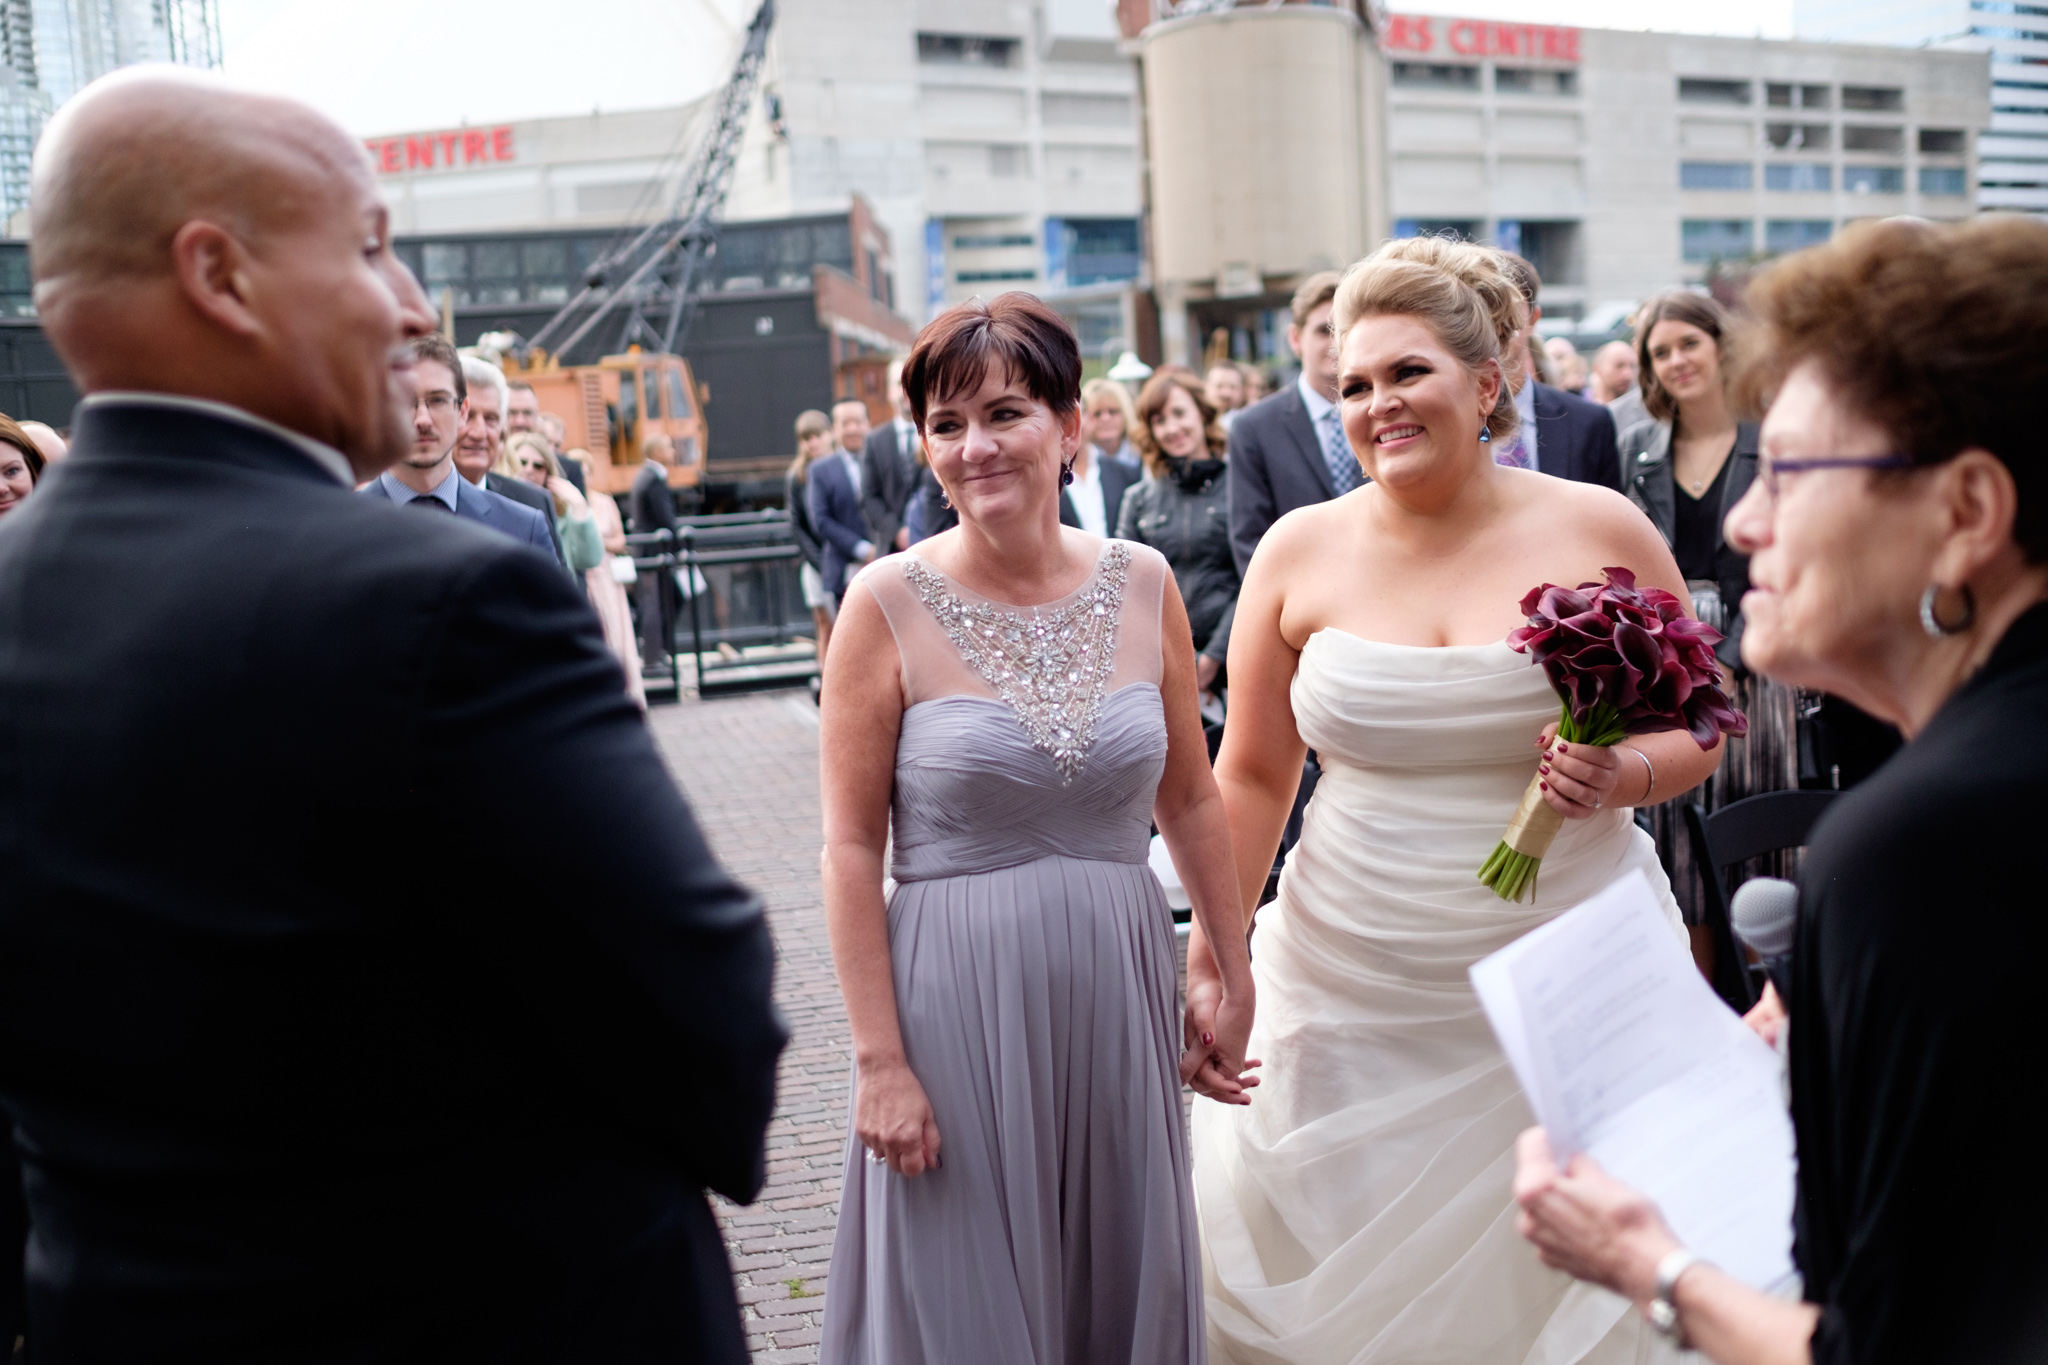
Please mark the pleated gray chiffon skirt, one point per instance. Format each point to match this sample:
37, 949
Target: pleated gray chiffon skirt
1039, 1009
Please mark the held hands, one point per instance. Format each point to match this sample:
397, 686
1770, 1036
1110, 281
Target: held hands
1579, 779
894, 1119
1215, 1033
1586, 1223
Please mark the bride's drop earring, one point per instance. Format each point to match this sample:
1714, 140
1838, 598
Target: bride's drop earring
1485, 436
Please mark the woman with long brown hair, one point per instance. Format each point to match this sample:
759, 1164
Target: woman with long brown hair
1183, 511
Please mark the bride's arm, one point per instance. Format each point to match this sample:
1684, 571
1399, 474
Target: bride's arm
1258, 770
861, 714
1189, 814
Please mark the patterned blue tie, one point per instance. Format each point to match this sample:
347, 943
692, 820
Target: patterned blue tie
1345, 474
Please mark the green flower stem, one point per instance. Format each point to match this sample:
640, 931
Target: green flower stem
1511, 875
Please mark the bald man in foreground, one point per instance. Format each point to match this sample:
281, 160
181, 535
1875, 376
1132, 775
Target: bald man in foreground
297, 1071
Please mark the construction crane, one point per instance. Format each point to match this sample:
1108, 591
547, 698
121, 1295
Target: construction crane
651, 278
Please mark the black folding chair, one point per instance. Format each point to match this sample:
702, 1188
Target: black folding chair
1758, 824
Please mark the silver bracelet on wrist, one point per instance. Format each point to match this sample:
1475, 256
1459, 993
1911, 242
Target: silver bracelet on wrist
1649, 770
1663, 1311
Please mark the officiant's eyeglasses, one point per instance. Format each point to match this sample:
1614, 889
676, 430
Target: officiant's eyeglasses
1771, 472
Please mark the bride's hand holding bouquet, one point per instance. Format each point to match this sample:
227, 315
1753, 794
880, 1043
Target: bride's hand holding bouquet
1624, 661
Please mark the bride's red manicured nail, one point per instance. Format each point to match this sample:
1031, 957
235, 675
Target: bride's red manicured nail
1543, 786
1564, 748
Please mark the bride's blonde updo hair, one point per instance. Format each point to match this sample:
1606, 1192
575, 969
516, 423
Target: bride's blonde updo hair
1461, 292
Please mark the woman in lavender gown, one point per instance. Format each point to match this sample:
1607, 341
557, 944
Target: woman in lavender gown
1007, 709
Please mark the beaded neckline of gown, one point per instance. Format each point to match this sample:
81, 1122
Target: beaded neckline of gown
1050, 665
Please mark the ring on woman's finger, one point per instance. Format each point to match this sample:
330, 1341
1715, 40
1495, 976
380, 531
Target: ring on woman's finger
876, 1158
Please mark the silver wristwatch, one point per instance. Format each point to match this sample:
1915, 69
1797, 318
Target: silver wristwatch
1663, 1313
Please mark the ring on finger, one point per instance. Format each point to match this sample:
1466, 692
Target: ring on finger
876, 1158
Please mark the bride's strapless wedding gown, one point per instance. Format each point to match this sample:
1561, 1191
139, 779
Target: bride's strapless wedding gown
1359, 1209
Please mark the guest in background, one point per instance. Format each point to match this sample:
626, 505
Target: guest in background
1691, 460
1093, 500
522, 413
1288, 450
930, 512
652, 502
1107, 419
528, 457
481, 444
888, 470
606, 588
1224, 388
1896, 532
1255, 385
834, 499
813, 442
1184, 511
21, 464
1613, 373
425, 478
1559, 434
1568, 365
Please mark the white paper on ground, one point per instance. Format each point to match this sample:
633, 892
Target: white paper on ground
1627, 1054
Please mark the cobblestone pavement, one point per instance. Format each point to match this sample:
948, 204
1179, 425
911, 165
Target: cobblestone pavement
749, 765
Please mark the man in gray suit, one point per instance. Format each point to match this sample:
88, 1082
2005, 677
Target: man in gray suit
888, 470
1288, 450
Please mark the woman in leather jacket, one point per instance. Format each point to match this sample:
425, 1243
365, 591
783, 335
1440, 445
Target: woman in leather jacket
1692, 461
1183, 511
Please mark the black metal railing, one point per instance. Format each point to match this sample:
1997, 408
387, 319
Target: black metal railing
723, 591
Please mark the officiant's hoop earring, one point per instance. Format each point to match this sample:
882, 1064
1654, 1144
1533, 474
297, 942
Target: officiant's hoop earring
1933, 625
945, 501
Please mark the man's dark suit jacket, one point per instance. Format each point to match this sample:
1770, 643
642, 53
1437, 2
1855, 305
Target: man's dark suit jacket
486, 508
888, 478
1575, 439
836, 518
301, 1070
1117, 479
1276, 465
520, 491
652, 503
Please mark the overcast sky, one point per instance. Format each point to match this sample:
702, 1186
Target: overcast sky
384, 66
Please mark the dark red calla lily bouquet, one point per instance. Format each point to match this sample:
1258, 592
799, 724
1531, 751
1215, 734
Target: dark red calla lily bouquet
1625, 661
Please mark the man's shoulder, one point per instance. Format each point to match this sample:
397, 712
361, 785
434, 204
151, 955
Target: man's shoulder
1272, 409
1569, 404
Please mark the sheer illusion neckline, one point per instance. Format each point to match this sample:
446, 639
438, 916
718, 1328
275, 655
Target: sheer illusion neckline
1054, 604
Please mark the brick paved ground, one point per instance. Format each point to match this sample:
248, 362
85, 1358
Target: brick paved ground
750, 767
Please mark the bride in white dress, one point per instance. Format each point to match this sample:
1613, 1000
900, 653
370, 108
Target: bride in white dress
1359, 1209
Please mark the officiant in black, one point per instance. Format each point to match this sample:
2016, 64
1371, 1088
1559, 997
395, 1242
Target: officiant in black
1897, 534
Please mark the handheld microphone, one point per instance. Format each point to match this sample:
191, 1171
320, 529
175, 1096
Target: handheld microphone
1764, 912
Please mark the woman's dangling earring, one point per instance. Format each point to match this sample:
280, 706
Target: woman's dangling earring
1485, 436
1932, 624
1066, 472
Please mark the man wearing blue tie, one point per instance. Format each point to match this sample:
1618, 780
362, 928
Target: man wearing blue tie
835, 498
426, 479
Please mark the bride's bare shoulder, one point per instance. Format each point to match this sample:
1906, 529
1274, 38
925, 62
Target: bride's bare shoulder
1308, 533
1600, 515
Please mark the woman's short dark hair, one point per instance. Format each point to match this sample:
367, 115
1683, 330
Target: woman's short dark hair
1152, 400
1937, 332
1031, 341
12, 434
1680, 305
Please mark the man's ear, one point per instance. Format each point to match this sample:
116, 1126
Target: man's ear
213, 270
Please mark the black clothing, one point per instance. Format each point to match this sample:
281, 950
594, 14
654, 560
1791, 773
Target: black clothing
1575, 438
1696, 535
1276, 465
311, 1058
1186, 517
1914, 1038
539, 499
652, 503
1115, 478
796, 497
1646, 468
888, 479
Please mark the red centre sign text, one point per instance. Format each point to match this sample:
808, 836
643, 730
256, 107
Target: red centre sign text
1433, 34
442, 151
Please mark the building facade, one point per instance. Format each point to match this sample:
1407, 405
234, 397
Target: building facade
1622, 163
996, 142
2014, 151
50, 49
